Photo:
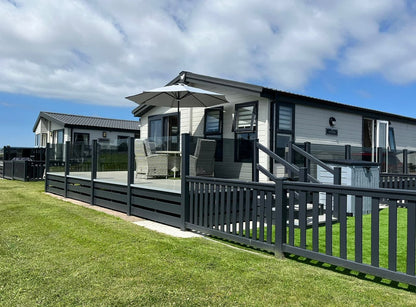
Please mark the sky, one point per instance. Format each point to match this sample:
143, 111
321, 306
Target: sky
85, 57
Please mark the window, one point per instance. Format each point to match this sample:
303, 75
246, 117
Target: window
392, 140
122, 139
245, 123
81, 138
44, 140
37, 140
164, 131
213, 129
58, 136
245, 119
284, 127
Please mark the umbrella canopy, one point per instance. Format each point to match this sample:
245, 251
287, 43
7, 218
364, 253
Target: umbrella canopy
178, 94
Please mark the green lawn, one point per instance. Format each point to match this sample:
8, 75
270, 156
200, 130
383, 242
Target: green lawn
55, 253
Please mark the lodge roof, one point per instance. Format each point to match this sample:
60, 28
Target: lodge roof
276, 95
71, 120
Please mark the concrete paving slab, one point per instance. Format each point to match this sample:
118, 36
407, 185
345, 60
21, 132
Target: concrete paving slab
162, 228
165, 229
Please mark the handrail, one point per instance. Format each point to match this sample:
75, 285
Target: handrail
292, 167
287, 164
312, 158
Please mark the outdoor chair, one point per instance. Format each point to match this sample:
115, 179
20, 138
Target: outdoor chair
151, 165
203, 161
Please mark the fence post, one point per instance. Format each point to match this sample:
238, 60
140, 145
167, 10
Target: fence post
130, 172
307, 163
255, 161
303, 174
13, 162
4, 159
280, 203
405, 161
337, 181
347, 154
290, 158
93, 170
47, 157
67, 144
184, 185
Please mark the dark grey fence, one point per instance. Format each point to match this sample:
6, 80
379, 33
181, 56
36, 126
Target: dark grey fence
398, 181
160, 206
23, 170
301, 218
279, 218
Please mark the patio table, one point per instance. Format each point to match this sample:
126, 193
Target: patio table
174, 154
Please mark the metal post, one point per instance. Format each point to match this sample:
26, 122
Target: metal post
47, 164
184, 185
405, 161
303, 174
280, 203
380, 158
290, 158
130, 172
93, 170
337, 181
255, 161
307, 164
67, 144
347, 152
4, 159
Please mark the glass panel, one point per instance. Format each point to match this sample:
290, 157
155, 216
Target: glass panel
219, 146
392, 140
382, 135
281, 143
285, 118
212, 122
244, 147
172, 133
60, 137
81, 138
245, 117
44, 139
155, 132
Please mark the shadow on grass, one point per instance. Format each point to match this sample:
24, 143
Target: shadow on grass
323, 265
348, 272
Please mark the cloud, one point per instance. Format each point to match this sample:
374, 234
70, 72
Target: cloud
101, 51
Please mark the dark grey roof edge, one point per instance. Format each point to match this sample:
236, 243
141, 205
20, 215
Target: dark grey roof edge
50, 116
270, 92
277, 94
192, 77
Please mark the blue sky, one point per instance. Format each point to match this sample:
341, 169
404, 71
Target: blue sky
84, 57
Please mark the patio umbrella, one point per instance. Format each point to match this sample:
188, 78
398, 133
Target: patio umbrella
179, 95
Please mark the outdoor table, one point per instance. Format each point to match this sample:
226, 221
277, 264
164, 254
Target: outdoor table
173, 153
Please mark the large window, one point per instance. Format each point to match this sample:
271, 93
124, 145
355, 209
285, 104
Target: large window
284, 127
213, 129
81, 138
245, 129
58, 136
164, 131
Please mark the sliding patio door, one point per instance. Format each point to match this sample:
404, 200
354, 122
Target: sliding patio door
378, 134
164, 131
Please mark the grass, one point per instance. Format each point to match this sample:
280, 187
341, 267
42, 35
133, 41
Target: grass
401, 256
54, 253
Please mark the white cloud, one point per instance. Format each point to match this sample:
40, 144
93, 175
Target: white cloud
101, 51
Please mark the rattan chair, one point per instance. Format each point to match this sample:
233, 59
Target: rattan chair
203, 161
148, 164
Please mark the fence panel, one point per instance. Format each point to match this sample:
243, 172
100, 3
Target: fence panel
316, 225
398, 181
241, 211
